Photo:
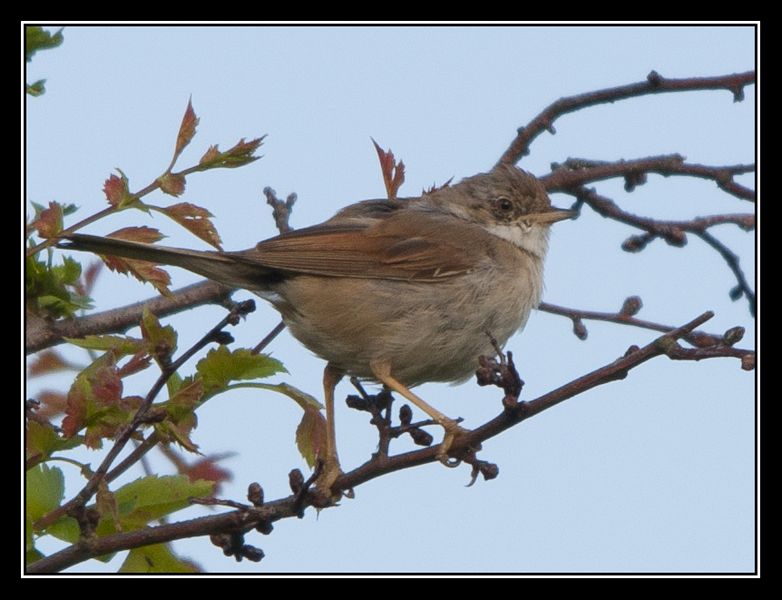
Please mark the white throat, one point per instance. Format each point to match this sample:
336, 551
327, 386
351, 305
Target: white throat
532, 238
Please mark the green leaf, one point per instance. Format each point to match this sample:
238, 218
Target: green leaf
149, 498
52, 289
221, 366
161, 341
66, 529
311, 432
311, 435
37, 89
303, 399
37, 38
158, 558
121, 345
30, 552
44, 440
45, 489
240, 154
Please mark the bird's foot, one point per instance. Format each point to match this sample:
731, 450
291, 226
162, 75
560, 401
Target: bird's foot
452, 431
330, 471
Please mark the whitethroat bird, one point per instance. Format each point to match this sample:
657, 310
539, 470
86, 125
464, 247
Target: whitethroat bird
396, 291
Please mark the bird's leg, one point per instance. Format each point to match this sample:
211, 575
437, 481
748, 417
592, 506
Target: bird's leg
331, 469
382, 370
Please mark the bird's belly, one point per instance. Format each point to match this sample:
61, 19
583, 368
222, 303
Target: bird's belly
425, 331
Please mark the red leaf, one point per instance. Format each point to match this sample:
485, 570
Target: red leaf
172, 184
89, 276
138, 362
186, 130
48, 223
393, 172
75, 408
196, 220
207, 468
141, 270
116, 190
147, 235
106, 385
211, 155
51, 404
48, 361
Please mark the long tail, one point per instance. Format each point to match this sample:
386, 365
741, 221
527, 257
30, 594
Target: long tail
225, 267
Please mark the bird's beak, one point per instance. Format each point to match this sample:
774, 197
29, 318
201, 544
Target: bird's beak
551, 216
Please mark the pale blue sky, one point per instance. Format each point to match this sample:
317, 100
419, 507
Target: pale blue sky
653, 473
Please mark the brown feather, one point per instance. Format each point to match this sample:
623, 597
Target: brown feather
413, 250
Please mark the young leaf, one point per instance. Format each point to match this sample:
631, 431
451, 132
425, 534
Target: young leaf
311, 432
141, 270
37, 88
187, 131
95, 401
117, 192
211, 156
149, 498
105, 501
303, 399
50, 290
221, 366
239, 155
37, 38
161, 341
44, 490
48, 361
172, 184
311, 435
158, 558
207, 468
146, 235
121, 345
196, 220
393, 172
43, 440
48, 223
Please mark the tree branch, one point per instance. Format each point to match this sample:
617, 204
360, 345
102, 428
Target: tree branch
89, 489
41, 333
248, 517
576, 172
674, 233
700, 339
654, 84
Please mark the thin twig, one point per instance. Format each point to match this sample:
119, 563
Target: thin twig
576, 172
654, 84
248, 517
84, 495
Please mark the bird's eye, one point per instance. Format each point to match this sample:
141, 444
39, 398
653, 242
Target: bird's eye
503, 204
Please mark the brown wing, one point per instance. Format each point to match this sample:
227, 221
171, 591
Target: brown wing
404, 246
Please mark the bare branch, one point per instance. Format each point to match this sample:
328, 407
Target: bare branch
248, 517
708, 342
654, 84
281, 210
576, 172
674, 233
